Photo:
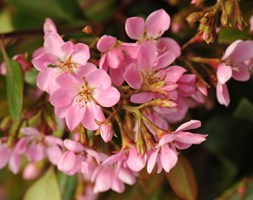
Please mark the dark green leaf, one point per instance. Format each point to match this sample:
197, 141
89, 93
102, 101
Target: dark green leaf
182, 179
46, 188
15, 86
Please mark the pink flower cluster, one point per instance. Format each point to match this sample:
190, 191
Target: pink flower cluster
136, 86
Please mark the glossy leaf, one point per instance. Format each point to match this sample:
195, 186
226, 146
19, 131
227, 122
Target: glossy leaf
46, 188
182, 180
15, 85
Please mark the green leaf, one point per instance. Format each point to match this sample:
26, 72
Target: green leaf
68, 185
5, 21
30, 77
182, 179
244, 110
228, 36
61, 9
15, 85
46, 188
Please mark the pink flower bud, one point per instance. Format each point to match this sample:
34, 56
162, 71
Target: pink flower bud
106, 132
31, 171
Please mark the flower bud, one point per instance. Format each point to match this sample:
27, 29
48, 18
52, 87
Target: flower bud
31, 171
194, 17
106, 132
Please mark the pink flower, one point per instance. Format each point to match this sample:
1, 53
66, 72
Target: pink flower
145, 72
236, 63
78, 99
165, 154
78, 158
58, 57
36, 146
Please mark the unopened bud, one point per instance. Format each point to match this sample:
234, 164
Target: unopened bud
164, 103
194, 17
31, 171
87, 29
106, 132
141, 147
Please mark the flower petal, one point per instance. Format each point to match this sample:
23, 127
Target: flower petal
107, 98
224, 73
190, 138
115, 58
135, 162
99, 79
222, 94
81, 54
168, 158
88, 120
147, 56
192, 124
165, 60
157, 23
174, 73
62, 97
135, 27
54, 154
74, 116
168, 44
53, 45
243, 73
133, 77
106, 42
67, 161
152, 160
4, 155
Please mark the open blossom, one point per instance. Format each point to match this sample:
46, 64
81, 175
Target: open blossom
58, 57
165, 153
36, 146
78, 158
78, 99
152, 29
145, 71
154, 77
236, 63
